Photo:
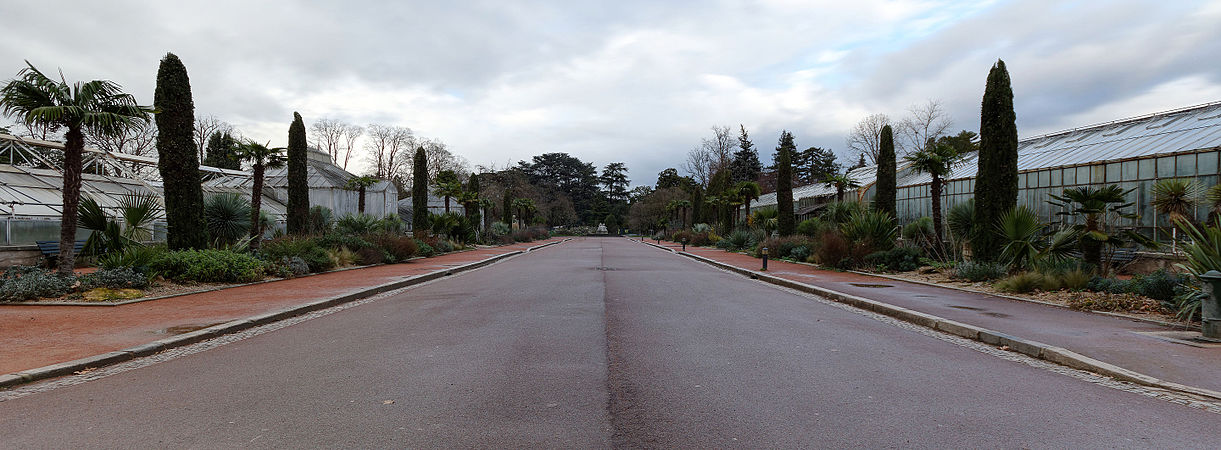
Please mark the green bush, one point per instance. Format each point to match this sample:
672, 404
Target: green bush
979, 271
799, 253
118, 278
1074, 280
875, 230
21, 283
1159, 285
333, 241
782, 247
136, 257
841, 212
216, 266
228, 217
813, 227
423, 249
900, 259
356, 224
737, 240
1027, 282
834, 250
305, 248
399, 248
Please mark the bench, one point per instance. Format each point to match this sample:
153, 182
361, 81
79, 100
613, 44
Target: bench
51, 248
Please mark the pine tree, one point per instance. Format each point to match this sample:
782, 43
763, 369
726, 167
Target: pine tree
178, 161
996, 181
419, 191
222, 152
745, 165
884, 198
786, 219
298, 181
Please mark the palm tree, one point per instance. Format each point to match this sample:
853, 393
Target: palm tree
1213, 197
937, 160
1096, 205
99, 106
1175, 198
749, 190
681, 206
448, 189
524, 206
360, 184
261, 157
841, 182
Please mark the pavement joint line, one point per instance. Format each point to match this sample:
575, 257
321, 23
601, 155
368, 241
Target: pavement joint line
234, 326
1030, 348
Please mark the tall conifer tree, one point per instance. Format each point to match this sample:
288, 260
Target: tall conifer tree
884, 198
178, 161
996, 181
419, 191
786, 221
298, 181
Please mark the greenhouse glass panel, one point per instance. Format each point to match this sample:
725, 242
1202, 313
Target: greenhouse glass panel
1206, 163
1056, 177
1165, 167
1128, 171
1044, 178
1070, 177
1112, 172
1083, 174
1186, 165
1098, 174
1146, 168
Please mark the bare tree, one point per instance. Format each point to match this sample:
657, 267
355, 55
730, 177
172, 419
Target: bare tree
350, 134
205, 126
712, 155
139, 140
926, 121
866, 136
386, 146
327, 136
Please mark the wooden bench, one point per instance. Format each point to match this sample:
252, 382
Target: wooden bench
50, 249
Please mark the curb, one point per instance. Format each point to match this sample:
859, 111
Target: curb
1030, 348
537, 247
234, 326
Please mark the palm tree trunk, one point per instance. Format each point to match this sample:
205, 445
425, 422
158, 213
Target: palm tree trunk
447, 204
256, 203
73, 148
360, 204
935, 192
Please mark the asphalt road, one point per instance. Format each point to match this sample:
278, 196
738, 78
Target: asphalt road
590, 344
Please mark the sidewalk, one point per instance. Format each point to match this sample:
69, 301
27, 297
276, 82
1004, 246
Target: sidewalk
1112, 340
37, 336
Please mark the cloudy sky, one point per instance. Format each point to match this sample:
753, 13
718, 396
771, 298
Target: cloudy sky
634, 81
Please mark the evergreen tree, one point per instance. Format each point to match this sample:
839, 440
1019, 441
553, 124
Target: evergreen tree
996, 182
222, 152
745, 165
298, 182
884, 198
506, 206
814, 164
419, 191
178, 161
786, 219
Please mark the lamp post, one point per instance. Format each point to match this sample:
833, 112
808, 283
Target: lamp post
764, 259
1210, 314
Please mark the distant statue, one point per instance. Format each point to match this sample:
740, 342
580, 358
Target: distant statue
602, 228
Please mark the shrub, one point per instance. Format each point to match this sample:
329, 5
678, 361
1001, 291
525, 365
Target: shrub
834, 250
118, 278
228, 217
335, 241
737, 240
25, 283
1105, 301
782, 247
370, 256
221, 266
840, 212
900, 259
302, 247
399, 248
813, 227
1027, 282
135, 257
1159, 285
356, 224
423, 249
1074, 280
341, 257
800, 253
979, 271
501, 229
874, 229
697, 239
701, 228
291, 266
919, 230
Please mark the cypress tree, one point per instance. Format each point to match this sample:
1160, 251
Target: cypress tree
884, 198
472, 206
419, 192
786, 221
298, 182
506, 207
178, 161
996, 181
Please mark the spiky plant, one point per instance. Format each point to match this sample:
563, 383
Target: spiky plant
228, 217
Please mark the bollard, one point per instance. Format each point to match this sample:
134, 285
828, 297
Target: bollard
1210, 314
764, 259
684, 245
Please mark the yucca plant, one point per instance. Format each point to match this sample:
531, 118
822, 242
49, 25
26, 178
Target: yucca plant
875, 229
228, 218
1203, 254
1022, 235
1213, 197
356, 224
1175, 198
961, 220
840, 212
1099, 207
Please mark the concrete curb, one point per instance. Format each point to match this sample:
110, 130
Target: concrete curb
537, 247
115, 357
1027, 347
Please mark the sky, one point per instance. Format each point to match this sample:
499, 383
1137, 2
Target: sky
639, 82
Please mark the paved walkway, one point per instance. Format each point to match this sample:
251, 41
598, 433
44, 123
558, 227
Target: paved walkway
1109, 339
37, 336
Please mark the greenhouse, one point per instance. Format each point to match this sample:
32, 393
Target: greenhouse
1133, 153
31, 187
